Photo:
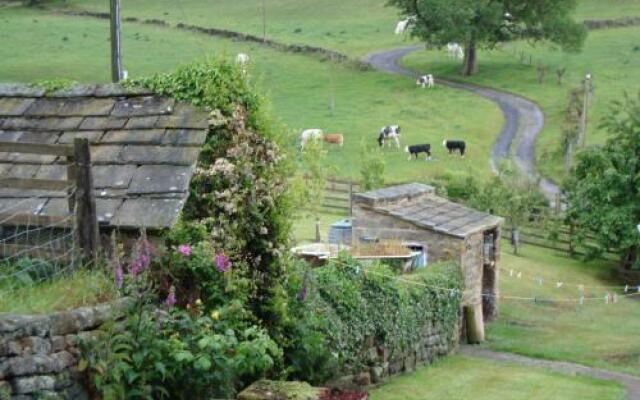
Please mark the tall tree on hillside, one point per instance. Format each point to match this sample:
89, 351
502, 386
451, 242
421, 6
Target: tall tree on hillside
604, 185
476, 23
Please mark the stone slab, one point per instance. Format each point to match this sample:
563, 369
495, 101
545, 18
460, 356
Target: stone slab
160, 155
184, 137
147, 136
148, 213
152, 179
14, 106
143, 106
112, 176
102, 123
69, 137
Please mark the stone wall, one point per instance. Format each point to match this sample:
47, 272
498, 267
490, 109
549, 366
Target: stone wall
39, 354
382, 364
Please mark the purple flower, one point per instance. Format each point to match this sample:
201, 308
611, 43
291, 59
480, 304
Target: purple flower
119, 275
185, 250
171, 298
223, 264
135, 269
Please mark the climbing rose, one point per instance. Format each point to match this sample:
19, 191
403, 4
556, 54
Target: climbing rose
222, 262
185, 250
171, 298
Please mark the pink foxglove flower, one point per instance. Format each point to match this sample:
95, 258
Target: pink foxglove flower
185, 250
171, 298
223, 264
119, 275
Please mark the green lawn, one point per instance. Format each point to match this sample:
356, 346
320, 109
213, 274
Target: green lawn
298, 87
597, 334
598, 9
462, 378
608, 55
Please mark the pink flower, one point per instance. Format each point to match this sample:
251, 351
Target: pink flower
223, 264
185, 250
171, 298
119, 275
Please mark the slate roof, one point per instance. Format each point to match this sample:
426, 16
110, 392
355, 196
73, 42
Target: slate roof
144, 149
417, 204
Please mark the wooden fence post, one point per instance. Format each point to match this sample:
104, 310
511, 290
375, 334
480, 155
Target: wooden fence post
86, 213
350, 198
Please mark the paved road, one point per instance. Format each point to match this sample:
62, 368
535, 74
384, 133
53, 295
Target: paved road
632, 383
524, 120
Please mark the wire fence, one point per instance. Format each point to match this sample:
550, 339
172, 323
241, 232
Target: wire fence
36, 246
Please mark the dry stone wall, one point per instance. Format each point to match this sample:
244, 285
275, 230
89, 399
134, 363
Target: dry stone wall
39, 355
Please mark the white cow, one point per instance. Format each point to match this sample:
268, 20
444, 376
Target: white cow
426, 81
454, 50
310, 134
402, 26
243, 60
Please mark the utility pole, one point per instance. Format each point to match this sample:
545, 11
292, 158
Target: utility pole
264, 21
116, 55
582, 137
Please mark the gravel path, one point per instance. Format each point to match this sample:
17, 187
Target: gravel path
632, 383
524, 120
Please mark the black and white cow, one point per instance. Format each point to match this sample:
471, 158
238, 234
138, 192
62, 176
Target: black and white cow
455, 145
389, 132
416, 149
426, 81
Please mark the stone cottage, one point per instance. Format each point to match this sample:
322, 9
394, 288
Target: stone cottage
444, 230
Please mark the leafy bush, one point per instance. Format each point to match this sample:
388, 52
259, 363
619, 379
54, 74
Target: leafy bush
349, 307
239, 199
372, 167
177, 355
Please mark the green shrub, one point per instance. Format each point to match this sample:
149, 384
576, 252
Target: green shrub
177, 355
239, 200
350, 307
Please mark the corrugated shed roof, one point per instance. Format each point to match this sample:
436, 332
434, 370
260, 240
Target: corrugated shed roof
421, 207
144, 148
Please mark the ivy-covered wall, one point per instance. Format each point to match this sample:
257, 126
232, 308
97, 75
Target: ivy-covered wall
376, 323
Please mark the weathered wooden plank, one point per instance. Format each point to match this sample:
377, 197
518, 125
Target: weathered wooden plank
86, 211
38, 184
36, 148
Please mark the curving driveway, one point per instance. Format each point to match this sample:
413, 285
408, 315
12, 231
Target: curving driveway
524, 120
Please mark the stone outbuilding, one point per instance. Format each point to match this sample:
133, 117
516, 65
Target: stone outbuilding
443, 230
144, 149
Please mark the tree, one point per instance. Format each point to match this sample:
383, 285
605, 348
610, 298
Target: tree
478, 23
603, 189
513, 196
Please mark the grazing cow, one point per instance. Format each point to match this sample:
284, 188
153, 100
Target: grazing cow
243, 60
402, 26
426, 81
454, 50
334, 138
310, 134
416, 149
453, 145
389, 132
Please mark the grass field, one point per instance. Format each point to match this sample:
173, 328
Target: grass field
462, 378
597, 334
356, 27
298, 87
611, 56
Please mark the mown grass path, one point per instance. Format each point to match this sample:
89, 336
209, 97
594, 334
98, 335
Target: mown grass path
632, 383
524, 119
